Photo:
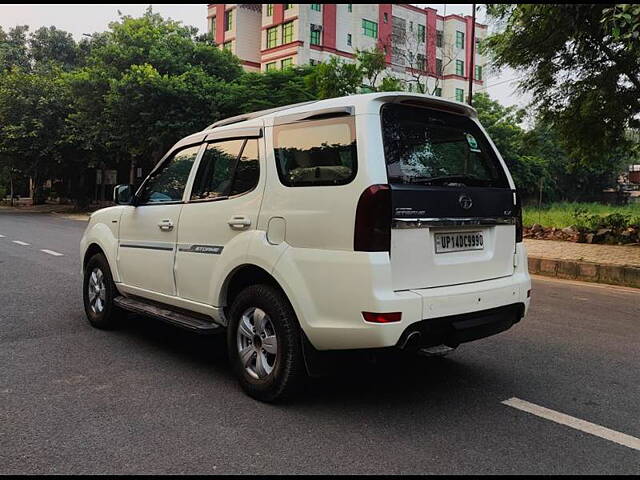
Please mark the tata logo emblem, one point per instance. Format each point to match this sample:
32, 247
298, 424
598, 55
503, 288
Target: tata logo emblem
465, 201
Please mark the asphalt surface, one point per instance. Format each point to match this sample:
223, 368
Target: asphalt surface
153, 399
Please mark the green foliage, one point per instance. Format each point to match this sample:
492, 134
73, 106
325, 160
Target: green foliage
391, 84
580, 62
48, 44
259, 91
124, 96
335, 78
587, 215
372, 64
13, 48
33, 109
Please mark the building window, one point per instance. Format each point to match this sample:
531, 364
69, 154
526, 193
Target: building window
316, 7
269, 9
286, 63
213, 28
272, 37
349, 39
287, 6
438, 92
369, 28
228, 20
315, 35
287, 32
350, 7
478, 72
439, 35
421, 62
270, 66
459, 95
438, 66
421, 33
460, 68
386, 17
459, 40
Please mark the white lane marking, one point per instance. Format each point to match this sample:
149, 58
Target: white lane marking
20, 243
51, 252
1, 236
573, 422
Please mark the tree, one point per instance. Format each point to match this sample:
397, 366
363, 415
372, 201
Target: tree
33, 109
48, 44
260, 91
335, 78
580, 62
372, 63
14, 51
137, 93
503, 126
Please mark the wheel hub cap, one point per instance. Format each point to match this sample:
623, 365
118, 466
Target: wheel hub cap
97, 291
257, 343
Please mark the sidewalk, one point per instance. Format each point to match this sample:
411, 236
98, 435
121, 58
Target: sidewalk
612, 264
67, 211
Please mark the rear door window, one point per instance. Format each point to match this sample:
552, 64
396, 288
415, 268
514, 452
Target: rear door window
214, 176
247, 172
431, 147
316, 152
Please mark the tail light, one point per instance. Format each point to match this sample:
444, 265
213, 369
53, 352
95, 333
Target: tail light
518, 213
373, 220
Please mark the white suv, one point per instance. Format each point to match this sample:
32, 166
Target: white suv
385, 220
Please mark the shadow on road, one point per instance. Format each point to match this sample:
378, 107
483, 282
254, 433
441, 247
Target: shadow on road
393, 378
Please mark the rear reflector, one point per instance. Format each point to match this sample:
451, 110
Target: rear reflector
373, 220
382, 317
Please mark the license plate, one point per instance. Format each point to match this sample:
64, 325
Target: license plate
458, 242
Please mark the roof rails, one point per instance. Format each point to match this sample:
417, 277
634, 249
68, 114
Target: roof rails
249, 116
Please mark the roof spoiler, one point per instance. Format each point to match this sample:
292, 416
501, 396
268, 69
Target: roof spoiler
430, 101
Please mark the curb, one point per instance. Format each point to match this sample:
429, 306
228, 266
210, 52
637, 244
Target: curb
623, 275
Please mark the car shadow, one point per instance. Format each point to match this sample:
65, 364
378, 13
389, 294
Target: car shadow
390, 378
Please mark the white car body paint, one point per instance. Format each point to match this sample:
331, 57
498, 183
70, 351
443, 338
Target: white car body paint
304, 238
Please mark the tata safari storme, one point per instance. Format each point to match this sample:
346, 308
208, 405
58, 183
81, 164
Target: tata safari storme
377, 221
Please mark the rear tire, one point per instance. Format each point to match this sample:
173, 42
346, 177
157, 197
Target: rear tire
98, 292
264, 344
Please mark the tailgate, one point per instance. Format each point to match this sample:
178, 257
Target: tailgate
447, 236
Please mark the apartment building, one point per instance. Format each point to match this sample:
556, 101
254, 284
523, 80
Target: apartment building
420, 45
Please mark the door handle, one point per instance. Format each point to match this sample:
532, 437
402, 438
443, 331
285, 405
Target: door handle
166, 225
239, 222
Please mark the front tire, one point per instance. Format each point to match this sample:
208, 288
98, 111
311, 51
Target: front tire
264, 344
98, 292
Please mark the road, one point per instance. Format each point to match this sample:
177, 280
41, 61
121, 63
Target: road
152, 399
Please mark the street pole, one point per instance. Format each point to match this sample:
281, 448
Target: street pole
473, 55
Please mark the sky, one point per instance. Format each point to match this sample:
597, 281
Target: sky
79, 19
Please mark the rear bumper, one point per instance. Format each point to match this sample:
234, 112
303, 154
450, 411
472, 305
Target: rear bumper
332, 319
456, 329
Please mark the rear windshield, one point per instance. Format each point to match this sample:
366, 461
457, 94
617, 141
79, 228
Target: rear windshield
431, 147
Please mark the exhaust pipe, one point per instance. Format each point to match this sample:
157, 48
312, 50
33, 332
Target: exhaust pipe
412, 340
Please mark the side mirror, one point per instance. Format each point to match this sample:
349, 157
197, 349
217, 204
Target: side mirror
123, 194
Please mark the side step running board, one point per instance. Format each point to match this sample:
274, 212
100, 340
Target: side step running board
181, 319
